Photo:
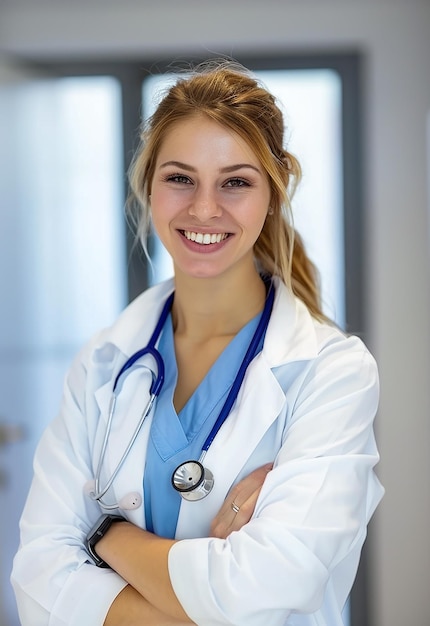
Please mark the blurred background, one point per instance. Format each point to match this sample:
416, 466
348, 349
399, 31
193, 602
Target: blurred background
353, 79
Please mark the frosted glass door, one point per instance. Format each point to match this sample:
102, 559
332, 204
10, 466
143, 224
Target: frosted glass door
62, 262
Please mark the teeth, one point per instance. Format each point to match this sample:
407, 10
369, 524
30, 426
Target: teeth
205, 238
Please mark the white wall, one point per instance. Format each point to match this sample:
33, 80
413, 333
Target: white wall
395, 38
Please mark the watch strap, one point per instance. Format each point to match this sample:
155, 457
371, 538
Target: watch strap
97, 532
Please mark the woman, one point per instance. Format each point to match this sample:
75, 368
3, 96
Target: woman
272, 532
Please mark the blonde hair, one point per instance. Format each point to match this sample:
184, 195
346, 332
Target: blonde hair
228, 94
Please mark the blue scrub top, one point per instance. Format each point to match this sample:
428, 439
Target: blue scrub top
176, 438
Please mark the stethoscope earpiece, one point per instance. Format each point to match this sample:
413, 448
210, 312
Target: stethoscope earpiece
90, 489
130, 501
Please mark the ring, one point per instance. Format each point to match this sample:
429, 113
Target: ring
235, 508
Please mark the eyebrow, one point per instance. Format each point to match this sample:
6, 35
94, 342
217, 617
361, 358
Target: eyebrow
224, 170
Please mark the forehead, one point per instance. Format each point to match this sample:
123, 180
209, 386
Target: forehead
199, 133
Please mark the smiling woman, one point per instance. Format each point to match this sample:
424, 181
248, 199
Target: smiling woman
251, 474
314, 133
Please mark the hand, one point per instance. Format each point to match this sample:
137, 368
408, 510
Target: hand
242, 496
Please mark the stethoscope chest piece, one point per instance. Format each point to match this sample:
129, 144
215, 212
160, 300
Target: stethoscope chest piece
192, 480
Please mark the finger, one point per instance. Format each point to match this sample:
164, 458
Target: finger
232, 517
243, 495
247, 486
242, 490
245, 512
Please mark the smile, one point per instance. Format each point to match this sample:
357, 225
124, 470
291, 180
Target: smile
204, 238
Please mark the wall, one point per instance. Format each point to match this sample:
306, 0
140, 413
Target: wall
395, 39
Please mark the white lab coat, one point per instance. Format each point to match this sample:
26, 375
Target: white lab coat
307, 403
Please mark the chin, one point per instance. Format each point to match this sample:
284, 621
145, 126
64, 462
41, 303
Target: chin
201, 272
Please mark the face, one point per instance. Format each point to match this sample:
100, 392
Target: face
209, 198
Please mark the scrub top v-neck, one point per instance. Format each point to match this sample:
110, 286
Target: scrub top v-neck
175, 438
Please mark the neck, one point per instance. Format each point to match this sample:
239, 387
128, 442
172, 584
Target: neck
205, 308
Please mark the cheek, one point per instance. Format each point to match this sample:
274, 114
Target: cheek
253, 220
163, 208
160, 222
259, 225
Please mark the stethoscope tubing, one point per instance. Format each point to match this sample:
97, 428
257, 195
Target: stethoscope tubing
98, 494
237, 383
191, 478
155, 389
150, 349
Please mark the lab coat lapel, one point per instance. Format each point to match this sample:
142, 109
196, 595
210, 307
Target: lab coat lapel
126, 336
290, 337
246, 425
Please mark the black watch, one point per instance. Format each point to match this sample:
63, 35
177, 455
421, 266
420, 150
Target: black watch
98, 531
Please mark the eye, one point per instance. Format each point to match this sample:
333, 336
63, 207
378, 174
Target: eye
237, 182
178, 178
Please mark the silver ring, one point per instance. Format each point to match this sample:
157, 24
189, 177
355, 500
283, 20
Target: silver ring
235, 508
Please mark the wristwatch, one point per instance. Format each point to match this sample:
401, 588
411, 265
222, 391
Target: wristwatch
98, 531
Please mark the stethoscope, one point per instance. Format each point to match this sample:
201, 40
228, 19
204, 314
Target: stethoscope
191, 479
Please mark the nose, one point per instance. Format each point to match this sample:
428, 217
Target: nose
205, 205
